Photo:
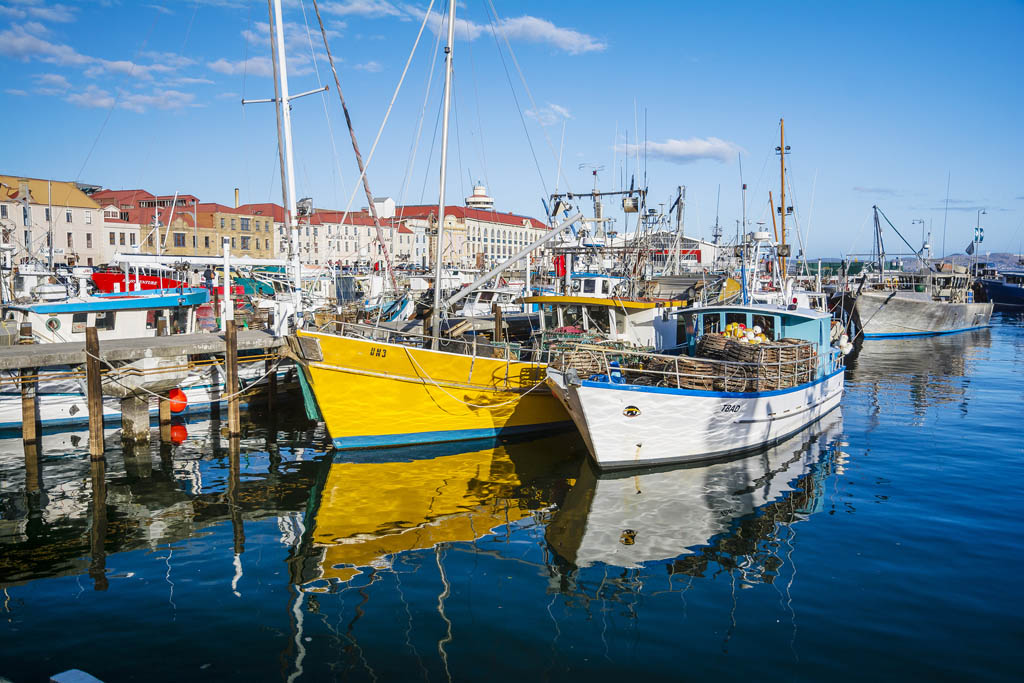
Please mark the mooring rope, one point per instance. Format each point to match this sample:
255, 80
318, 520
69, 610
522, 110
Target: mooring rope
456, 398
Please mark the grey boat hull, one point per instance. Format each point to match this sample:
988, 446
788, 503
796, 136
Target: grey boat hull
912, 314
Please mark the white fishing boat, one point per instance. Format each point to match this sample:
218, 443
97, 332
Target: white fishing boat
749, 376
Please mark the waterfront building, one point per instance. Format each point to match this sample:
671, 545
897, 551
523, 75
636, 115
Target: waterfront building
34, 209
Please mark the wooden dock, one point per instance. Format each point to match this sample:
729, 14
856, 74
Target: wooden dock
154, 364
49, 355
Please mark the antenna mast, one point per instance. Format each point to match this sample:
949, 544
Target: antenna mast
782, 150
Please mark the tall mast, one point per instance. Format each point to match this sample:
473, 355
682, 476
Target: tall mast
782, 190
286, 123
435, 316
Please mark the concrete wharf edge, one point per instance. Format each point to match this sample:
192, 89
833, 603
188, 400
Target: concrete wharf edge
73, 353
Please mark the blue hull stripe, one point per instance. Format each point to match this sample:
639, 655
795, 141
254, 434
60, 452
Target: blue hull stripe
924, 334
385, 440
707, 394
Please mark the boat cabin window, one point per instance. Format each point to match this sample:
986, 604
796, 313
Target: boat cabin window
740, 318
597, 319
767, 325
485, 297
620, 321
550, 319
589, 286
711, 323
105, 320
605, 287
572, 316
179, 320
79, 322
685, 328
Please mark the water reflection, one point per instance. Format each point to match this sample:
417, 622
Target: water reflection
370, 506
629, 519
62, 514
930, 370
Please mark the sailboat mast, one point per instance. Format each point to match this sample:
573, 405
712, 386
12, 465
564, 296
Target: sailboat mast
435, 316
782, 190
291, 219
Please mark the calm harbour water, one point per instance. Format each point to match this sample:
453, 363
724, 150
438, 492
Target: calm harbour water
882, 543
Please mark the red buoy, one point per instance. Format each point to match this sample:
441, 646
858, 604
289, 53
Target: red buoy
178, 400
178, 434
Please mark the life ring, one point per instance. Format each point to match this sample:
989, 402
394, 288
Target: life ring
53, 324
576, 286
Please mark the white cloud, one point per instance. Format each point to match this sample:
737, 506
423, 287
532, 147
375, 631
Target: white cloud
160, 8
52, 84
93, 97
33, 8
549, 115
16, 91
365, 8
685, 151
536, 30
19, 43
257, 66
371, 66
59, 13
526, 27
160, 99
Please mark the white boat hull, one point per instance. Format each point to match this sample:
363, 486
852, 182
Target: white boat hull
627, 425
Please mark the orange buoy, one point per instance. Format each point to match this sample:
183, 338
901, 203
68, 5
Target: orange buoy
178, 400
178, 434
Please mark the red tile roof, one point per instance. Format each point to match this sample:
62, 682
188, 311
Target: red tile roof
119, 197
265, 209
464, 212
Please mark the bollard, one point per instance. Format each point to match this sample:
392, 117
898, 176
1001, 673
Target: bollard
94, 392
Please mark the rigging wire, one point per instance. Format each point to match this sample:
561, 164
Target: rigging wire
522, 118
380, 131
476, 96
410, 165
533, 103
323, 100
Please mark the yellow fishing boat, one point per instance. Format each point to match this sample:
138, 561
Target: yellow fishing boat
375, 387
366, 511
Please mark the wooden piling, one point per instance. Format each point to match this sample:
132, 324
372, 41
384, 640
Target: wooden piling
94, 392
165, 418
30, 405
98, 532
269, 367
231, 383
234, 485
498, 332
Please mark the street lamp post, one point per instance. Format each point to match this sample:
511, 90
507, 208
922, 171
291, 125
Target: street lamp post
923, 240
977, 234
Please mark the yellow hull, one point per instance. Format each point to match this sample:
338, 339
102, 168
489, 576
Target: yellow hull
374, 394
369, 512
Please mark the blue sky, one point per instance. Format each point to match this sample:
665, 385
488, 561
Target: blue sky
881, 101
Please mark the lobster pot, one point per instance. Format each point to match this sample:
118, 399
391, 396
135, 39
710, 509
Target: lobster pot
804, 359
583, 361
712, 346
696, 373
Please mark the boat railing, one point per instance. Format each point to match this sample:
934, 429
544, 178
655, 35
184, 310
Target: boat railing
465, 347
776, 366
